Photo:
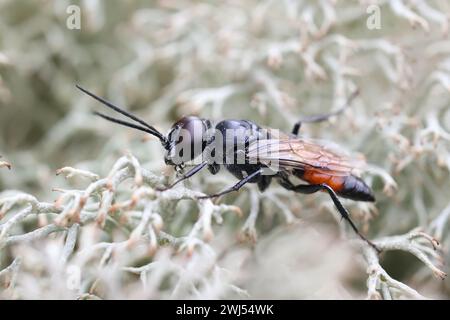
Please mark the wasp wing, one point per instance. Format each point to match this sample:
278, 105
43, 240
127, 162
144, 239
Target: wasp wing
289, 153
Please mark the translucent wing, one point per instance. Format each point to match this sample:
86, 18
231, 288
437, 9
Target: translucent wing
290, 153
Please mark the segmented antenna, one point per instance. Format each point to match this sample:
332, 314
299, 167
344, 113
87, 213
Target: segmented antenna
146, 127
124, 123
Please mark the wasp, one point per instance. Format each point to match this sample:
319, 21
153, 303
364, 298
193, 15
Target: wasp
251, 152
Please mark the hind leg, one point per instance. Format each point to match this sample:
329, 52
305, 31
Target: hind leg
309, 189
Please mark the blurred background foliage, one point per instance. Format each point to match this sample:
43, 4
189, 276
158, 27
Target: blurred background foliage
269, 61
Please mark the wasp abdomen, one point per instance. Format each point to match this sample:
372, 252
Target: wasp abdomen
350, 187
316, 177
356, 189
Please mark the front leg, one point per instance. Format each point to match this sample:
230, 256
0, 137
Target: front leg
236, 187
187, 175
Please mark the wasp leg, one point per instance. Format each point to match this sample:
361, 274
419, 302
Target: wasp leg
323, 117
309, 189
236, 187
187, 175
315, 119
264, 182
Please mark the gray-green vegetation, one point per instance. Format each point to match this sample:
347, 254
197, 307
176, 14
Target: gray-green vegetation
79, 214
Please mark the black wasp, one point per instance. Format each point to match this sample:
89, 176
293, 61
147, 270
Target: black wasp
321, 167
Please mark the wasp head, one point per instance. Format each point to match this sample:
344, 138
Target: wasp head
186, 140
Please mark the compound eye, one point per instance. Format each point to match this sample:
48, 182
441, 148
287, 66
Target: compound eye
188, 135
193, 125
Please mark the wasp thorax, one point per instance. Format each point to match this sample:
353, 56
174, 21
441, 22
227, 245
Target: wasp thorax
186, 140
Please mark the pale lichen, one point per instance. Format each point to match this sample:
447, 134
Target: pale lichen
269, 61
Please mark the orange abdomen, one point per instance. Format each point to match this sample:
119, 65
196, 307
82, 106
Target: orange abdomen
350, 187
314, 177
